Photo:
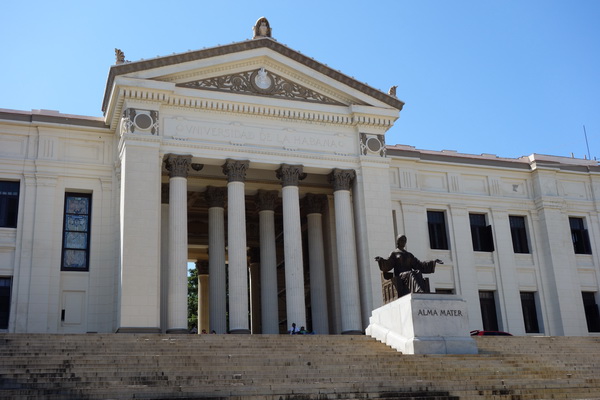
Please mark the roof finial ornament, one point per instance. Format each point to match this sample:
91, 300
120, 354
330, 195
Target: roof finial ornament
392, 91
120, 57
262, 28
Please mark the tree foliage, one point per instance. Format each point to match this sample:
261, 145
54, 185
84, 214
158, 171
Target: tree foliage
193, 298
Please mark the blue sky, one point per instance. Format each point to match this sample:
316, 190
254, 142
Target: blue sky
506, 77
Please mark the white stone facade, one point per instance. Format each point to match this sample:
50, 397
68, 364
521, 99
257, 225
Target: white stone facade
205, 131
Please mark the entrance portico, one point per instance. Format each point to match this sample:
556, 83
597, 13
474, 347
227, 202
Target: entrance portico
262, 151
208, 208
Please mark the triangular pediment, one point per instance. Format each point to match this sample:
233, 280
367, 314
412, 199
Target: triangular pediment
261, 82
301, 72
226, 77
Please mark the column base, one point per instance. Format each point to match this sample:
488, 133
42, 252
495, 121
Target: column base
137, 330
353, 333
240, 332
178, 331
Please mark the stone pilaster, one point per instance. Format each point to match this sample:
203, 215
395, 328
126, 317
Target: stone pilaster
313, 205
236, 234
292, 240
215, 198
266, 201
341, 181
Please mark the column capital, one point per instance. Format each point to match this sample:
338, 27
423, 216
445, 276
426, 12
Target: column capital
266, 199
177, 165
215, 196
314, 203
341, 179
202, 267
235, 170
290, 175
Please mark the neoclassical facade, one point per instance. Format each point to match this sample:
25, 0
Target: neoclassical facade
270, 170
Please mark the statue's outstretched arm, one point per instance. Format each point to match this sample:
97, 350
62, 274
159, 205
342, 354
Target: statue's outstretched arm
384, 264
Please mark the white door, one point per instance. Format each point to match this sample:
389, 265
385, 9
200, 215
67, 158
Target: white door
73, 311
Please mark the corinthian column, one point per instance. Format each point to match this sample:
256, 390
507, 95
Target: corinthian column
178, 236
236, 234
341, 181
318, 289
215, 198
290, 175
268, 261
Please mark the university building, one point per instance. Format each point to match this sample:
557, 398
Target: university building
271, 171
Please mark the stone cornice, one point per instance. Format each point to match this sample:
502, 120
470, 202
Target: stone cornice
52, 118
159, 62
177, 101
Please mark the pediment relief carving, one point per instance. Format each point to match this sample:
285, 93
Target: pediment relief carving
260, 82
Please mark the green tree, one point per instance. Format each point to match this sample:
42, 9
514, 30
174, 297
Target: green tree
193, 297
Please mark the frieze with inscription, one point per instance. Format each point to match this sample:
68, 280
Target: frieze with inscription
288, 139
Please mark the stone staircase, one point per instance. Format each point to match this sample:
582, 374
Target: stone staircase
283, 367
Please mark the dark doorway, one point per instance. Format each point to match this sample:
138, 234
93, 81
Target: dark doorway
5, 284
529, 312
591, 311
488, 310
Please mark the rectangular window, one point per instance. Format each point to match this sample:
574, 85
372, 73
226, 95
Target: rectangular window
5, 284
519, 234
489, 317
76, 232
592, 316
481, 234
9, 203
436, 221
580, 236
529, 312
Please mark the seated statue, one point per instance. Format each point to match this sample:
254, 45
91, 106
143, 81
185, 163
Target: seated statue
408, 271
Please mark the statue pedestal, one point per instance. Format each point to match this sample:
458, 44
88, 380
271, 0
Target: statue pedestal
424, 323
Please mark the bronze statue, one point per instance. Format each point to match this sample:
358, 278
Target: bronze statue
408, 271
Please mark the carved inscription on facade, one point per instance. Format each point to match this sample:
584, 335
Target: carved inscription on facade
432, 312
184, 129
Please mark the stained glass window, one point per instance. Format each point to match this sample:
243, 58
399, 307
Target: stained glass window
76, 232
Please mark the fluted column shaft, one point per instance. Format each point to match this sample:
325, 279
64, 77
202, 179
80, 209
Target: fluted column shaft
255, 318
236, 234
316, 253
203, 296
292, 245
268, 262
215, 198
178, 243
346, 249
